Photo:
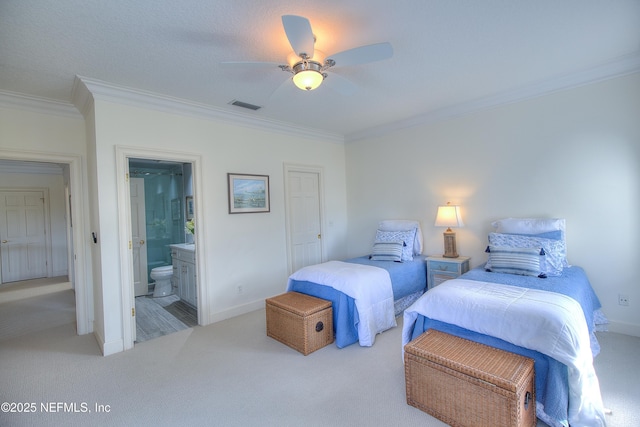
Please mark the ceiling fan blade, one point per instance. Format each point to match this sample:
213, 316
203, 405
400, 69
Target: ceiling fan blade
250, 64
363, 54
340, 84
282, 89
299, 33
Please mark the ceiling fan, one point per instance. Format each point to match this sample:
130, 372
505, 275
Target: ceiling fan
309, 66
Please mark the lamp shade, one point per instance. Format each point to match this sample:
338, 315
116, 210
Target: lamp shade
449, 216
308, 79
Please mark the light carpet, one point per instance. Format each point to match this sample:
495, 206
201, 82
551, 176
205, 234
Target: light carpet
231, 374
37, 313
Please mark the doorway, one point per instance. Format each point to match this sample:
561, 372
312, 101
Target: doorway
158, 194
194, 162
64, 269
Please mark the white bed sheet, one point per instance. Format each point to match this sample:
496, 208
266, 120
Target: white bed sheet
548, 322
369, 286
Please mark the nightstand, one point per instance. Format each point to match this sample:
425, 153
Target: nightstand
440, 269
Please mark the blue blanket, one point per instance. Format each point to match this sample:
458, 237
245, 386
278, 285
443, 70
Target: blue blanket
406, 278
552, 394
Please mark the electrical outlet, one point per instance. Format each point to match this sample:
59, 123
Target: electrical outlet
239, 290
623, 299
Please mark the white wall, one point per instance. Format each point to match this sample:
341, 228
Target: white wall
24, 130
573, 154
248, 249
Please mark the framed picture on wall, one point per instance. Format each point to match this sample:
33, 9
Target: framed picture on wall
248, 193
189, 207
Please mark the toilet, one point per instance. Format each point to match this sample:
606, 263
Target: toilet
162, 277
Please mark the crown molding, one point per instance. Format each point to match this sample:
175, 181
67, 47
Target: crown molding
85, 90
37, 104
98, 89
81, 97
621, 67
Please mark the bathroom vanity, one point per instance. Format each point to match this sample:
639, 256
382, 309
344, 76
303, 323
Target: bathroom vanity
184, 272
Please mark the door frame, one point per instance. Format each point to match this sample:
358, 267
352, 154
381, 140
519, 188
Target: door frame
78, 207
288, 167
123, 154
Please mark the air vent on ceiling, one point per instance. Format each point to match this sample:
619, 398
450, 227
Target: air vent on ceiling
245, 105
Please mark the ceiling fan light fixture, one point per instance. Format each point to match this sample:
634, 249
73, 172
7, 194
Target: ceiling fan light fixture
309, 65
307, 75
308, 79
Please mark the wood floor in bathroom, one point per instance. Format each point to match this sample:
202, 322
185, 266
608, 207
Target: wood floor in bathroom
156, 317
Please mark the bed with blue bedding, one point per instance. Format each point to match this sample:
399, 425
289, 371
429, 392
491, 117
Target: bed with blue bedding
550, 318
368, 292
408, 282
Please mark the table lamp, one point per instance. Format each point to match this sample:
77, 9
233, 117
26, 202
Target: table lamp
449, 216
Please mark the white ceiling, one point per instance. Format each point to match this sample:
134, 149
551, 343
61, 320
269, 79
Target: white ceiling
449, 55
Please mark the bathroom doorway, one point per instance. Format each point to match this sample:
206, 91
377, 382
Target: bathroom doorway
192, 187
159, 190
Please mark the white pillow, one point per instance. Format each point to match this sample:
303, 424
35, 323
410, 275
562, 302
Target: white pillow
533, 226
403, 225
528, 225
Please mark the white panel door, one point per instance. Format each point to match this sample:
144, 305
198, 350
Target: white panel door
22, 234
139, 237
305, 229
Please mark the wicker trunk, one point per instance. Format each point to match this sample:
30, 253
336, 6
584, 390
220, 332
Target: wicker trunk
302, 322
464, 383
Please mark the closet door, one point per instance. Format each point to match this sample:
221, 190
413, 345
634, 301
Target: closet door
304, 218
22, 235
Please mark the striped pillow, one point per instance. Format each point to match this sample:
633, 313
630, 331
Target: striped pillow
522, 261
407, 238
387, 251
555, 250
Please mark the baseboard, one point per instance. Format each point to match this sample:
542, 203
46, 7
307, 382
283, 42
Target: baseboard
113, 347
236, 311
109, 348
624, 328
99, 340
